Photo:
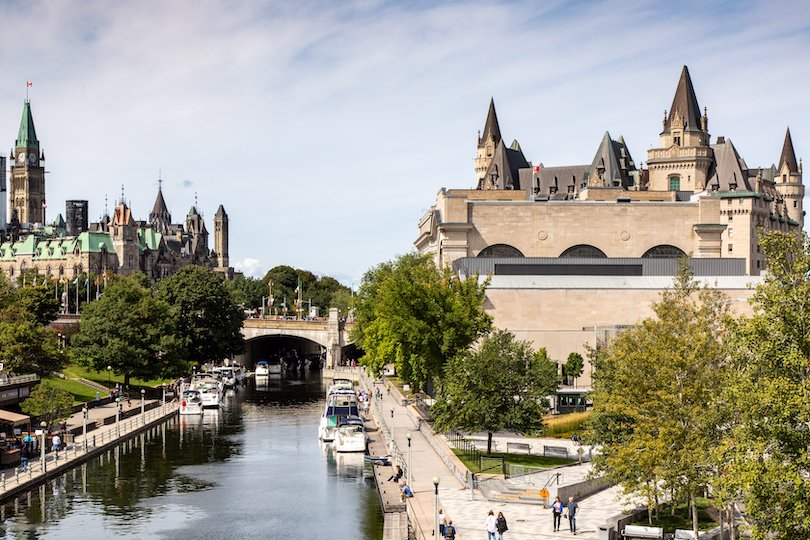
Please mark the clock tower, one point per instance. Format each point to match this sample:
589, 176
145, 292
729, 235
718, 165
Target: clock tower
27, 173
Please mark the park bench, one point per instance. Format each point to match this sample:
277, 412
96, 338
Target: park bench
523, 447
681, 534
555, 451
641, 532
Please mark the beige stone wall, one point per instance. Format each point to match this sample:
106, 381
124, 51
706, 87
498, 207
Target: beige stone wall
563, 320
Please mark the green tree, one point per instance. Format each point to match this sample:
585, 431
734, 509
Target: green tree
39, 301
501, 385
416, 316
656, 395
574, 366
131, 331
207, 321
766, 451
247, 291
49, 403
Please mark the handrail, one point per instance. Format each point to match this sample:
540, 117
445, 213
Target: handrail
17, 379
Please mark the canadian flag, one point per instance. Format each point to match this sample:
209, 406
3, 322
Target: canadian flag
29, 84
537, 168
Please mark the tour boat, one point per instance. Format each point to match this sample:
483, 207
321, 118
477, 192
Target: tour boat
350, 435
262, 368
338, 406
191, 402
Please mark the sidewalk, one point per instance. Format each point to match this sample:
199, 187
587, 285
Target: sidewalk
468, 513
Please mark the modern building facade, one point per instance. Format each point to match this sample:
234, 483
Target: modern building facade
568, 248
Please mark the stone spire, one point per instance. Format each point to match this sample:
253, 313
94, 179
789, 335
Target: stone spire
685, 105
788, 155
491, 126
160, 217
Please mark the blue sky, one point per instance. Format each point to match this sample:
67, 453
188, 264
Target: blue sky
326, 129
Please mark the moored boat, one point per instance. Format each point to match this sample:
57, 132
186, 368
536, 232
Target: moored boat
338, 406
191, 402
350, 435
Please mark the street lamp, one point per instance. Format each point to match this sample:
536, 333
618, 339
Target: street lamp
436, 508
410, 476
84, 426
109, 377
43, 425
117, 416
143, 418
392, 425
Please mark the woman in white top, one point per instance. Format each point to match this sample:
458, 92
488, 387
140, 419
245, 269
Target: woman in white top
491, 525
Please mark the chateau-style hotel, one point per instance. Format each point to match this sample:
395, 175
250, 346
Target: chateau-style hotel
577, 252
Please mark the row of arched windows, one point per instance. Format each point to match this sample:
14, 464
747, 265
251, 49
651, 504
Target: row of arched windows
663, 251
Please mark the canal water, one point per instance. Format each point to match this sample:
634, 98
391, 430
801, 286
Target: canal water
254, 469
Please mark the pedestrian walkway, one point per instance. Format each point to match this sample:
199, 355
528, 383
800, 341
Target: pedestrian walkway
469, 510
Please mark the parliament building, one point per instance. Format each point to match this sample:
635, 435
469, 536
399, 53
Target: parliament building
574, 253
118, 244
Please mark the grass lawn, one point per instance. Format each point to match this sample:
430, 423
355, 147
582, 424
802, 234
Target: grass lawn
681, 518
396, 381
80, 392
75, 370
515, 459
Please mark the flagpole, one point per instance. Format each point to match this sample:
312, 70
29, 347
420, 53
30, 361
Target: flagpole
77, 295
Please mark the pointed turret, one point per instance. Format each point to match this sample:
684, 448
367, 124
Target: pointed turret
685, 105
160, 217
788, 155
491, 126
27, 136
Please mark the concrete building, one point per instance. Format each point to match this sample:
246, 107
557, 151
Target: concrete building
571, 224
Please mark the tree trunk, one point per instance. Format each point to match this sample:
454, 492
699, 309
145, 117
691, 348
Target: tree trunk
732, 534
722, 525
657, 505
489, 442
126, 381
693, 505
673, 502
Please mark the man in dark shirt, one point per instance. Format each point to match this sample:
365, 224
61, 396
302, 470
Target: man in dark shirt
571, 511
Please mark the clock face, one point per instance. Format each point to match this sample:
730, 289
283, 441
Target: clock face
21, 157
32, 158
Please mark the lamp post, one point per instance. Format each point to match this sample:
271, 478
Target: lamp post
109, 377
143, 418
410, 476
436, 507
117, 416
84, 427
43, 425
392, 425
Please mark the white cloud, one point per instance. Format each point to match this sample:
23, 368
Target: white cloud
324, 129
250, 267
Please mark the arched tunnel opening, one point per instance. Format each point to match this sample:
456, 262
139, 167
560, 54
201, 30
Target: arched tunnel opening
296, 353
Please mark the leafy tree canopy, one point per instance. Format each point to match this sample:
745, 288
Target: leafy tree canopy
416, 316
324, 292
49, 403
131, 331
574, 365
207, 321
501, 385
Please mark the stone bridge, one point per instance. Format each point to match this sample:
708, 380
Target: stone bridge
266, 336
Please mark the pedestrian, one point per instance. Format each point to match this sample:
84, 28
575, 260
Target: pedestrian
397, 474
450, 530
500, 524
442, 520
25, 454
56, 443
98, 397
491, 525
571, 512
556, 512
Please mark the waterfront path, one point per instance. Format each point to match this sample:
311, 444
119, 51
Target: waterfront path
468, 511
103, 433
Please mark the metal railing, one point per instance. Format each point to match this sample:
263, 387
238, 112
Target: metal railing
17, 379
98, 439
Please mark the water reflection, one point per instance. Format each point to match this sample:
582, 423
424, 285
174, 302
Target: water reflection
253, 468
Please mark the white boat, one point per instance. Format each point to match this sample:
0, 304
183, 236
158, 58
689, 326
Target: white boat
262, 368
228, 375
340, 386
350, 435
191, 402
275, 367
338, 406
212, 393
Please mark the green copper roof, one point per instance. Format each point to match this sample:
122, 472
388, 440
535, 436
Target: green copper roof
149, 238
92, 242
27, 137
192, 211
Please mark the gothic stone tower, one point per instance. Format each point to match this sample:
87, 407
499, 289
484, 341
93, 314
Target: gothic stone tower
27, 174
789, 181
221, 237
683, 160
487, 142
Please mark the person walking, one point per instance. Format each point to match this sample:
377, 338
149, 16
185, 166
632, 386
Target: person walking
56, 443
556, 512
25, 455
442, 522
571, 512
450, 530
500, 524
491, 525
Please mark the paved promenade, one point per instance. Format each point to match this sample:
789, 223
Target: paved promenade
468, 513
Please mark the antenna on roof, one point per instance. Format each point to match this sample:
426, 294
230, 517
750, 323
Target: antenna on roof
122, 193
106, 212
195, 199
160, 180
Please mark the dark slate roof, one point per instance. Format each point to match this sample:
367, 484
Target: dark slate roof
788, 154
685, 102
504, 168
221, 212
729, 172
491, 126
160, 216
566, 180
614, 161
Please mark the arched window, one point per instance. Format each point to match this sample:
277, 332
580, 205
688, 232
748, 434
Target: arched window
664, 252
500, 250
585, 251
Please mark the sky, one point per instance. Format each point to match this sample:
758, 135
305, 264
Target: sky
327, 128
